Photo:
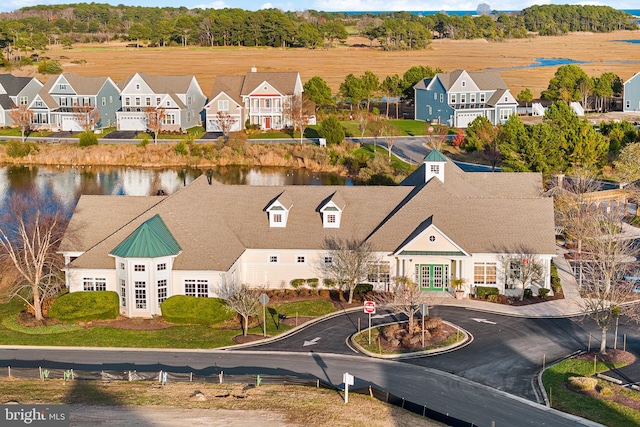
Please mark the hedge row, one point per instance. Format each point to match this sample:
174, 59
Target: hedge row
485, 291
197, 311
82, 306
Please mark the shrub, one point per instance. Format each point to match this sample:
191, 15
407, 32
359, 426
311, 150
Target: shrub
17, 149
87, 138
555, 279
485, 291
329, 283
181, 148
528, 293
297, 284
192, 310
493, 298
582, 383
313, 283
331, 130
605, 391
50, 67
543, 292
363, 288
78, 306
144, 142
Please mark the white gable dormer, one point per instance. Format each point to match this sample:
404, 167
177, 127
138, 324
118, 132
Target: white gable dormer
434, 166
278, 211
331, 211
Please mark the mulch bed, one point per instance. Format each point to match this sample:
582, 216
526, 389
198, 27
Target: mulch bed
611, 356
515, 301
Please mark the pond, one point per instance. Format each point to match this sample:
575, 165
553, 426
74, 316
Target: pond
544, 62
68, 183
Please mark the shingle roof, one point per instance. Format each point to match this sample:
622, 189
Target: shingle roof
283, 81
231, 85
13, 84
485, 80
215, 224
151, 240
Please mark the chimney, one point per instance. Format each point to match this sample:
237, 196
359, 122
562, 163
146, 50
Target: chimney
254, 69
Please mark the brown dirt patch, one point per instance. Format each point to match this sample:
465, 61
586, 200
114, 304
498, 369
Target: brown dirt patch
243, 339
600, 50
612, 356
133, 324
27, 319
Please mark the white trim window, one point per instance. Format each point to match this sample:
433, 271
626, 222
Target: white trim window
485, 273
482, 97
170, 119
162, 266
141, 295
139, 267
91, 284
123, 292
223, 105
273, 258
504, 114
162, 291
198, 288
301, 259
328, 260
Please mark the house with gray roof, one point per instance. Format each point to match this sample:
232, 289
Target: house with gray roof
180, 99
68, 102
457, 98
440, 224
259, 98
15, 91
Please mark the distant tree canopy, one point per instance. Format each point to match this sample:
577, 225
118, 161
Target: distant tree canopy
33, 27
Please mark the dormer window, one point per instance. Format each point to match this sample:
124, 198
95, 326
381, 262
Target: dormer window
464, 83
278, 211
332, 211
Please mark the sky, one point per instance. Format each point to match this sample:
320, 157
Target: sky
332, 5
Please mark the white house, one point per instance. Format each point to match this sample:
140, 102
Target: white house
440, 224
180, 98
15, 91
261, 98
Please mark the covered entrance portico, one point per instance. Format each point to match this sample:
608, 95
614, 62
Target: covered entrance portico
431, 271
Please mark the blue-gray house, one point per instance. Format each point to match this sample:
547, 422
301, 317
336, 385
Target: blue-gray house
457, 98
631, 102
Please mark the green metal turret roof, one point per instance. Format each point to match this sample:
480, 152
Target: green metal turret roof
151, 240
435, 156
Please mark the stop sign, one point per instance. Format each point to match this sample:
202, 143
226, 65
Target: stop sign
370, 307
430, 129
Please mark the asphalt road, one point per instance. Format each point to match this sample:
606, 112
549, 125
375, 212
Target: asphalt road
439, 390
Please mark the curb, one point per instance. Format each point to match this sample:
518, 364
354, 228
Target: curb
467, 339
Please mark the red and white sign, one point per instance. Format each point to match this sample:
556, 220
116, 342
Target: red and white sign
370, 307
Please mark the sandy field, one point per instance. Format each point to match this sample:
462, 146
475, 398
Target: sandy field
602, 52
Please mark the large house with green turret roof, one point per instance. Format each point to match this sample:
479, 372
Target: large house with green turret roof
438, 225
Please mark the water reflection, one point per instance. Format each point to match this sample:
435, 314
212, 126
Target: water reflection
68, 183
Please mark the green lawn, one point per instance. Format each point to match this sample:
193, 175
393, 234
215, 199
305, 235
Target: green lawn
179, 336
599, 410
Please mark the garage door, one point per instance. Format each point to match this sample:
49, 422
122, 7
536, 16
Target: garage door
464, 119
132, 123
71, 124
213, 125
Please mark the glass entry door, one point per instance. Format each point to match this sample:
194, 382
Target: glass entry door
433, 277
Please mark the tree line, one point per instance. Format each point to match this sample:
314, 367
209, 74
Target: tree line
33, 27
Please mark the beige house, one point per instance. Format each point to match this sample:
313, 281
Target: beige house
261, 98
440, 224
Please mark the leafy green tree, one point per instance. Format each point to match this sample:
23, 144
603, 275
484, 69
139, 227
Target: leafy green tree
332, 31
352, 90
52, 66
525, 96
319, 92
415, 74
307, 35
392, 87
627, 165
87, 138
331, 130
370, 86
565, 85
480, 132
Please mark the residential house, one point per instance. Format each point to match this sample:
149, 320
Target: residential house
15, 91
259, 98
457, 98
180, 98
631, 97
69, 102
440, 224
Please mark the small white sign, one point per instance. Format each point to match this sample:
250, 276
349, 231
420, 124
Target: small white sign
347, 379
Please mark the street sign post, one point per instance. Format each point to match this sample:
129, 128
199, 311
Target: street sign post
347, 379
370, 308
264, 300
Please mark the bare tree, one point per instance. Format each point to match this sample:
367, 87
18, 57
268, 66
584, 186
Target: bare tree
405, 297
30, 233
21, 116
349, 262
155, 119
523, 268
87, 116
376, 126
225, 121
391, 136
437, 136
300, 110
241, 299
363, 122
604, 307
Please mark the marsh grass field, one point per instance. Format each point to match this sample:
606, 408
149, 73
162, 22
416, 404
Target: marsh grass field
600, 52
